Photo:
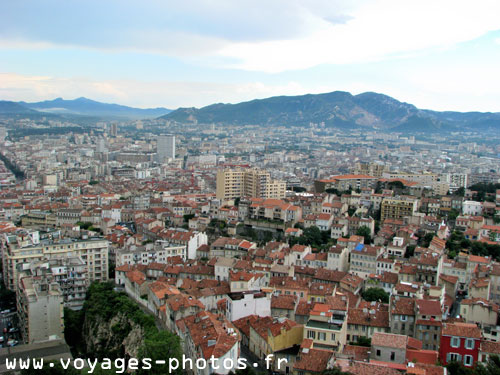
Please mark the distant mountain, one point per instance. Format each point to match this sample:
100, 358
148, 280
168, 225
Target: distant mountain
87, 107
337, 109
11, 108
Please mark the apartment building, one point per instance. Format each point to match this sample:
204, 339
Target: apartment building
18, 249
346, 182
69, 273
398, 207
250, 182
40, 310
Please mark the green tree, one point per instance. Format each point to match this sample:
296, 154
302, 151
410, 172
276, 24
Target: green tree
363, 341
160, 346
375, 294
365, 232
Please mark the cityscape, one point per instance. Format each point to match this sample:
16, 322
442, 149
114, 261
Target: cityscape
303, 232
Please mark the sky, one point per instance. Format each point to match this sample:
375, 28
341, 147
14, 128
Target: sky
435, 54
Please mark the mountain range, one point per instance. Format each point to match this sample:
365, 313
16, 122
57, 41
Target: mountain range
337, 109
80, 107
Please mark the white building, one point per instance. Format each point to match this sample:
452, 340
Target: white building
244, 304
165, 147
472, 208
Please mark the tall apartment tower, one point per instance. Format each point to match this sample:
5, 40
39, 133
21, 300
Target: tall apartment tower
114, 129
250, 182
165, 147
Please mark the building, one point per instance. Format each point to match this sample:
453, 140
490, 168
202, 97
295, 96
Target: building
69, 273
398, 207
460, 342
346, 182
327, 325
40, 309
165, 148
242, 304
17, 249
205, 335
250, 182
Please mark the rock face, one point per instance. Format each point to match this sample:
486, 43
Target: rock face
118, 337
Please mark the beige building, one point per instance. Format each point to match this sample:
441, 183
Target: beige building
40, 310
479, 310
69, 273
250, 182
370, 169
20, 249
398, 207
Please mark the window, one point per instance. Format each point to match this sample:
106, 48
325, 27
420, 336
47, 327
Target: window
468, 360
311, 335
469, 344
393, 355
455, 342
450, 357
378, 352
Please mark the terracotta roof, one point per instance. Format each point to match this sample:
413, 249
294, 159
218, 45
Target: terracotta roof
313, 360
389, 340
286, 302
428, 307
462, 330
490, 347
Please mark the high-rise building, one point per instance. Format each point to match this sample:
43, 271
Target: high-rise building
40, 309
114, 129
3, 134
248, 182
101, 145
165, 148
28, 248
398, 207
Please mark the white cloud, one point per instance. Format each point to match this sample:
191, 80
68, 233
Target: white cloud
168, 94
378, 30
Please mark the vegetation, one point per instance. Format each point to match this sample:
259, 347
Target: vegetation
365, 232
102, 305
492, 367
188, 217
457, 242
19, 174
313, 237
375, 294
483, 190
362, 341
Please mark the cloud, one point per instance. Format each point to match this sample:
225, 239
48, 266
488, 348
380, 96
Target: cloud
379, 30
168, 94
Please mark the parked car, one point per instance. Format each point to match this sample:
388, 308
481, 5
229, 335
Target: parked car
13, 330
1, 339
12, 342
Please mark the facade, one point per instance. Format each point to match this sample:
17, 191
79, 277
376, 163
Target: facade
19, 249
460, 342
165, 148
69, 273
250, 182
398, 207
40, 310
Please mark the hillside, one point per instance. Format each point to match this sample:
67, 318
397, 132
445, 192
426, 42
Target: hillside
88, 107
337, 109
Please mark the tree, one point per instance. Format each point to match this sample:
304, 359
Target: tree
365, 232
376, 294
460, 191
363, 341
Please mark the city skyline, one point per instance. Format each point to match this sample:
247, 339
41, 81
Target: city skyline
178, 55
